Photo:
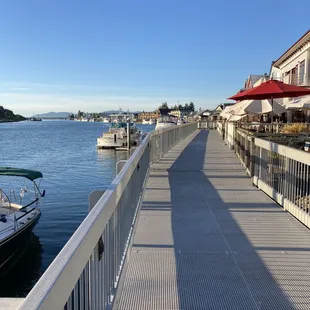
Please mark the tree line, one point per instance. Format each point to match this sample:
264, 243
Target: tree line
186, 106
82, 114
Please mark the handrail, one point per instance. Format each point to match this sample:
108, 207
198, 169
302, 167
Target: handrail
49, 291
73, 271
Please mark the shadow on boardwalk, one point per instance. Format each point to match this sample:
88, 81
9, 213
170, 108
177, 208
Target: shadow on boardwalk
214, 210
207, 239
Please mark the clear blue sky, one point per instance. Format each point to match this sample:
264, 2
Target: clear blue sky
62, 55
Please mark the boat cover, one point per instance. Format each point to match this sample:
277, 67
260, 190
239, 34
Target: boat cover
29, 174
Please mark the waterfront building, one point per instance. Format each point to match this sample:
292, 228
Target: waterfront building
148, 115
293, 67
254, 80
181, 112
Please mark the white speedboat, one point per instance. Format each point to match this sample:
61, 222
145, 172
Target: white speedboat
152, 121
116, 137
106, 120
181, 121
165, 121
18, 215
145, 122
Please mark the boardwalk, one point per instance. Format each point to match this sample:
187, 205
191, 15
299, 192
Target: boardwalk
207, 239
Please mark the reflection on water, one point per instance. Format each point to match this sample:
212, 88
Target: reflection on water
104, 155
24, 270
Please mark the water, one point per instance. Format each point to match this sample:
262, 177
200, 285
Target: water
65, 152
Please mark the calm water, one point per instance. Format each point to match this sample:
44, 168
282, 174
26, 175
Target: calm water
65, 152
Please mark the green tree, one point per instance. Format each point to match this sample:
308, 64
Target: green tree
80, 114
186, 106
192, 106
180, 107
164, 106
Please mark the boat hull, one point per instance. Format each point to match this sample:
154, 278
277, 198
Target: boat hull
164, 125
105, 143
13, 244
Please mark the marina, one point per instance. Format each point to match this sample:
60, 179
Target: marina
69, 177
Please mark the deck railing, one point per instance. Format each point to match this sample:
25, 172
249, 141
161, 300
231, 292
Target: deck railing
207, 124
280, 171
283, 173
87, 273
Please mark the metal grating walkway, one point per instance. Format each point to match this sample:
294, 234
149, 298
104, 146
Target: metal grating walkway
207, 239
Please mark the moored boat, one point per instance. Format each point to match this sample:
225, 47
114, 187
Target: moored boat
165, 121
116, 137
17, 219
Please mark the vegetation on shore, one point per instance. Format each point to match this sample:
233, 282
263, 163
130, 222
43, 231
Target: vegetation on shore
8, 116
187, 106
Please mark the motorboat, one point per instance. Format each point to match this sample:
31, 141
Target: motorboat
152, 121
106, 120
18, 213
165, 121
145, 122
116, 137
181, 121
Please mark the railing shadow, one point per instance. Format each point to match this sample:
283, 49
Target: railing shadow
223, 242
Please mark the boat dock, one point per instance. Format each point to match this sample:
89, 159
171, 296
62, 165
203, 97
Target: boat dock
202, 236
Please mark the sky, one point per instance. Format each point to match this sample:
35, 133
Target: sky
97, 55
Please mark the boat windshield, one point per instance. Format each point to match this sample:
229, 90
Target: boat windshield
121, 125
165, 119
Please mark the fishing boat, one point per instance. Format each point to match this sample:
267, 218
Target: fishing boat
18, 213
116, 137
165, 121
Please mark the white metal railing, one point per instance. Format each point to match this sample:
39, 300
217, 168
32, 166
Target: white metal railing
220, 127
283, 173
207, 124
87, 273
280, 171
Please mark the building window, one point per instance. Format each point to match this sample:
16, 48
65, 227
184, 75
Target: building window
301, 72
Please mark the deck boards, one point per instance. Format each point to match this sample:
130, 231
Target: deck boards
207, 239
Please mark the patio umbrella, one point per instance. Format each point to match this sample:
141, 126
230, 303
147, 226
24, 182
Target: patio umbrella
239, 94
258, 107
225, 113
235, 118
301, 103
270, 90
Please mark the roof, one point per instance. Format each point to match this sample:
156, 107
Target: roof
270, 69
222, 106
255, 77
206, 112
28, 174
293, 49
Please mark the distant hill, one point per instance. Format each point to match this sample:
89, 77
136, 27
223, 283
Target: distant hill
53, 114
8, 116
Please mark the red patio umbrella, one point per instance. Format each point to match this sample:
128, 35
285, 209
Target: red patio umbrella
239, 94
270, 90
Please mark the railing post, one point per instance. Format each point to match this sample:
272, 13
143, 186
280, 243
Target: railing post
252, 157
119, 166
